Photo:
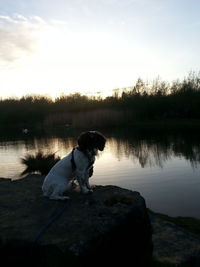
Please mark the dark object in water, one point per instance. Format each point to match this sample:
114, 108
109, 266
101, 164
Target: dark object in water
39, 163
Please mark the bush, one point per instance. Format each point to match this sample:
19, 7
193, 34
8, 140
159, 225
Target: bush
39, 163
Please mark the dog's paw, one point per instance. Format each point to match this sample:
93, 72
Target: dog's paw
90, 191
92, 186
65, 198
85, 190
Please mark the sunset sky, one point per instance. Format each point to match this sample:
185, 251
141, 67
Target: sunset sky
64, 46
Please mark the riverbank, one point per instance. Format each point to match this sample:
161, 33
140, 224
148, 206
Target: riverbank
175, 240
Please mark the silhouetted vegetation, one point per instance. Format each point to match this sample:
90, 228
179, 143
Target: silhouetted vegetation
158, 100
39, 163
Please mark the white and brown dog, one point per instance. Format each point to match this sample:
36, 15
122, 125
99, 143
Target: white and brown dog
77, 165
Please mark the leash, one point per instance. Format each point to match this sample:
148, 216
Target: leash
61, 211
49, 223
57, 215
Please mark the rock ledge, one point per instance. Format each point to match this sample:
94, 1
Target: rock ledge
110, 226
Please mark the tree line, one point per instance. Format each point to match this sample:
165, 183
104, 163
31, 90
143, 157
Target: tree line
143, 101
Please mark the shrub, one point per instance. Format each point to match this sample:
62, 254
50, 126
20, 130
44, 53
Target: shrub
39, 163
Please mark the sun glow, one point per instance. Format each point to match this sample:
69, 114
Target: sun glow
53, 47
57, 59
83, 61
64, 62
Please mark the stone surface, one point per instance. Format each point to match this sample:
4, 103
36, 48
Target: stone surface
173, 244
110, 226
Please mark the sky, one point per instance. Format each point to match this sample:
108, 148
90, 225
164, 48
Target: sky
90, 46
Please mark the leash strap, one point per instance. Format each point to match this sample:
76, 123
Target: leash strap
49, 223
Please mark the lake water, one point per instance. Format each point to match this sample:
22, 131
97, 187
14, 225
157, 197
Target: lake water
165, 169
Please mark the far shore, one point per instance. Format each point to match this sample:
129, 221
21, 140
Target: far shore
157, 125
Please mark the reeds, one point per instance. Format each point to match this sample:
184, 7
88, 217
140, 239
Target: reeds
39, 163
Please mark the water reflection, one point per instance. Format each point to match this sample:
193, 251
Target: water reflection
12, 151
148, 151
157, 150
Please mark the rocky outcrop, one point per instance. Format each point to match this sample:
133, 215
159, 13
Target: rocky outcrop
110, 226
173, 244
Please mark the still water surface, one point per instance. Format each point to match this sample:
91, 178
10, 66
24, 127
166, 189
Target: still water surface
164, 169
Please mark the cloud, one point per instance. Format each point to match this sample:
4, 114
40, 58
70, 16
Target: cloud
19, 37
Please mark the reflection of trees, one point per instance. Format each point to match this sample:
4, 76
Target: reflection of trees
148, 150
156, 150
50, 145
189, 148
151, 153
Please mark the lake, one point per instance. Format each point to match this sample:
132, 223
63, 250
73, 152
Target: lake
164, 168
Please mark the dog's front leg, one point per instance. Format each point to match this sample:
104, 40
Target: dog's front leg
82, 180
88, 184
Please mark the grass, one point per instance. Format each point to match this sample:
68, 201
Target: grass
190, 224
39, 163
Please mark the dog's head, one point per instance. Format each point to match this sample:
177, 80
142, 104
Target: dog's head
90, 140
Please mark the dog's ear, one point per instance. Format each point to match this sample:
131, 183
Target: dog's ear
100, 140
83, 141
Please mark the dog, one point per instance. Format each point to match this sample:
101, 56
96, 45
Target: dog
77, 165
